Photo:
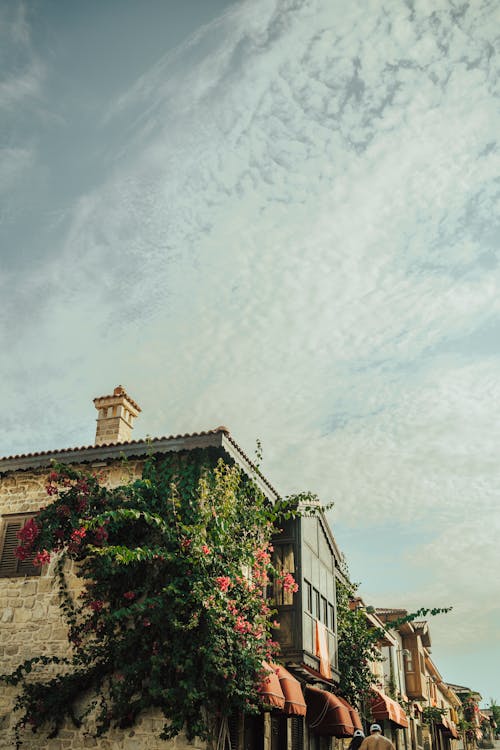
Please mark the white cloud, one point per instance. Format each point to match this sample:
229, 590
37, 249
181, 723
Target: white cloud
290, 234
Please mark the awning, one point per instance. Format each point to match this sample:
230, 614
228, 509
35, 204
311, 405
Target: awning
327, 714
295, 704
384, 707
270, 688
449, 727
356, 721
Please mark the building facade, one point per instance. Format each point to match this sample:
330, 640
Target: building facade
31, 624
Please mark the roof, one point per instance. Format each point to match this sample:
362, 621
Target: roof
388, 611
216, 438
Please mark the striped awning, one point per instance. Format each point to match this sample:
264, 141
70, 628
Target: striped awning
384, 707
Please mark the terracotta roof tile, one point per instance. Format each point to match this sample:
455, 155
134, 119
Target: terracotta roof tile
117, 445
4, 460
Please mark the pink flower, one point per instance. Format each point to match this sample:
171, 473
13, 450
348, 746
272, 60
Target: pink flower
289, 583
146, 622
78, 534
29, 532
129, 595
96, 605
223, 582
185, 543
41, 558
242, 625
205, 549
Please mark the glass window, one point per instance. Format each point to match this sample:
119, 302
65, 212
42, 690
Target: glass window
308, 596
324, 610
331, 617
316, 602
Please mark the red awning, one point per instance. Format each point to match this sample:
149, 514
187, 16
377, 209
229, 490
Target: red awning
327, 714
449, 727
270, 688
295, 704
356, 721
384, 707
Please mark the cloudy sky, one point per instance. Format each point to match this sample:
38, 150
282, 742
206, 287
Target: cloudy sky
281, 216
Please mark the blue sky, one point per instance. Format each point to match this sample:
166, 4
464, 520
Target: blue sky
282, 216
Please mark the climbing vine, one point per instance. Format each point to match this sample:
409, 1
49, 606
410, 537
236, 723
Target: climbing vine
358, 644
172, 614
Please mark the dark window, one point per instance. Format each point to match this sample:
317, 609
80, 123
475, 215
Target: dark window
283, 559
316, 610
9, 564
308, 596
331, 617
278, 732
254, 732
324, 610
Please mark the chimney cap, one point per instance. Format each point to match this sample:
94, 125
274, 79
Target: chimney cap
118, 392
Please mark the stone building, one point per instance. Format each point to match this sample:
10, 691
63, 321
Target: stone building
31, 624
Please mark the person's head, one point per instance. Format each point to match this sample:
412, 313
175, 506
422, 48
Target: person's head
375, 728
359, 733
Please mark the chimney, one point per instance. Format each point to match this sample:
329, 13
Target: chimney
116, 414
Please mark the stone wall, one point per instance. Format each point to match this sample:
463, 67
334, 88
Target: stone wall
31, 625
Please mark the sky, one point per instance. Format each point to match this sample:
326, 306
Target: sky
280, 216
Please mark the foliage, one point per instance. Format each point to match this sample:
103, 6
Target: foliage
433, 714
357, 648
495, 711
173, 612
358, 644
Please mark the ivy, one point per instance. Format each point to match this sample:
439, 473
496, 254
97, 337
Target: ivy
173, 613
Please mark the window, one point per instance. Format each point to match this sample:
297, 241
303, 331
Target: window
9, 564
316, 600
283, 559
408, 660
324, 611
331, 617
308, 596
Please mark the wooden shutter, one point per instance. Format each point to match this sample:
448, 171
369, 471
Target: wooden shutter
297, 732
9, 564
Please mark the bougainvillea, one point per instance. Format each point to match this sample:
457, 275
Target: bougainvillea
173, 614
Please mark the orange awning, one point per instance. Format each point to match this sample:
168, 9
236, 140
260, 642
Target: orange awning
270, 688
295, 704
327, 714
384, 707
449, 727
356, 721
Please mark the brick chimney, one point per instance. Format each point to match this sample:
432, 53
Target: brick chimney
116, 414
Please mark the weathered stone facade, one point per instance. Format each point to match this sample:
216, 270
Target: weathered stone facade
31, 625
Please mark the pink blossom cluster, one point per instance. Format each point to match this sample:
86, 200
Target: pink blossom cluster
223, 582
41, 558
289, 583
27, 536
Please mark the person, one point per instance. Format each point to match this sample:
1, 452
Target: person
376, 740
357, 739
